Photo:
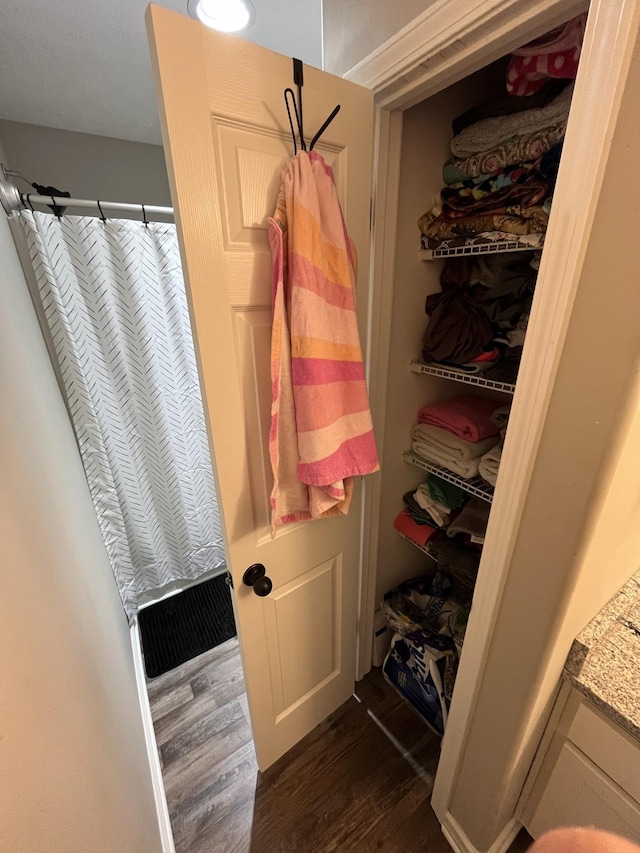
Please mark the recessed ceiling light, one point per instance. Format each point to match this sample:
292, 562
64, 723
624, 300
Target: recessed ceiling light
229, 16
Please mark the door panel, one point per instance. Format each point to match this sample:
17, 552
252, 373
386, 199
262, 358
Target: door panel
226, 140
305, 612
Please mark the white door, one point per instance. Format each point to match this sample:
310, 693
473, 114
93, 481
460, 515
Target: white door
226, 138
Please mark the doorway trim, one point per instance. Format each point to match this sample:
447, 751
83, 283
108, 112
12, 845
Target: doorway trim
449, 41
155, 770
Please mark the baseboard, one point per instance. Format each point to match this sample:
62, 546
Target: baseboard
460, 842
162, 810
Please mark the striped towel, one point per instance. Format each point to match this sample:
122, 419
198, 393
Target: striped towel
321, 433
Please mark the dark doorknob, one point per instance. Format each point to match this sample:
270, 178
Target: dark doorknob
256, 576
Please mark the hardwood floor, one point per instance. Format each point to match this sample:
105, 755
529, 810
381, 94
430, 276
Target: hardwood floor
361, 781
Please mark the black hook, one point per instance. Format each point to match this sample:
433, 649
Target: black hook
144, 217
326, 124
298, 79
295, 109
102, 216
53, 193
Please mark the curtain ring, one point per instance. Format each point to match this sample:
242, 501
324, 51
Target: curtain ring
144, 217
28, 198
56, 207
102, 216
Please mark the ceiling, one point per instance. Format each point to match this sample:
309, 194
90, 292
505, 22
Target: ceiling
84, 64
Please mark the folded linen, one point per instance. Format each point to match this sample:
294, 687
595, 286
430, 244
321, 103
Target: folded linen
520, 187
445, 441
500, 416
515, 220
445, 493
517, 149
491, 132
467, 417
418, 514
489, 464
436, 510
418, 533
473, 520
554, 55
466, 468
506, 105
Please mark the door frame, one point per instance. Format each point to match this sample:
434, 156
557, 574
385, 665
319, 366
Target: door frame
449, 41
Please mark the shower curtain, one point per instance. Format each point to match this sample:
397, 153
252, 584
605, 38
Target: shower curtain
114, 301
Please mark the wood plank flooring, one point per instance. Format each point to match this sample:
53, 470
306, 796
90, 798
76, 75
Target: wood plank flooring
361, 781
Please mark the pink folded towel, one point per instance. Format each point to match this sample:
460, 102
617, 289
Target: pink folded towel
466, 417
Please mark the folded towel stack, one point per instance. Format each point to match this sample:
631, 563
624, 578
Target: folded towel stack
456, 433
472, 520
489, 464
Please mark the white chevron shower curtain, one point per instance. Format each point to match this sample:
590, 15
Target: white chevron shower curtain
114, 301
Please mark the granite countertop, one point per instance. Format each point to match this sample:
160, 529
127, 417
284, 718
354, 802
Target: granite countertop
604, 661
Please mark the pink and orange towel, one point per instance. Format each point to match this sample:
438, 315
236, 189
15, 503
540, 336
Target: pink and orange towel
321, 432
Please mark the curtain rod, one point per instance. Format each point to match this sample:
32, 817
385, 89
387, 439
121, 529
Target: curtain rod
27, 199
13, 200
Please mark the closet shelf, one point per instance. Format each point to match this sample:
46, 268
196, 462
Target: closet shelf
418, 366
415, 545
476, 247
476, 486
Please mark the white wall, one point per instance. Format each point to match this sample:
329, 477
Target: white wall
352, 31
74, 774
94, 167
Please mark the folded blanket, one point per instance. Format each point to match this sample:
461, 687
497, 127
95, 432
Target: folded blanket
521, 184
505, 105
445, 441
490, 132
555, 54
438, 511
473, 520
467, 417
445, 493
418, 514
458, 201
500, 416
515, 220
517, 149
466, 468
418, 533
489, 464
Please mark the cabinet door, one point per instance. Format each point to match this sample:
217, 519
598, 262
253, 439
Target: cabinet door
577, 793
226, 139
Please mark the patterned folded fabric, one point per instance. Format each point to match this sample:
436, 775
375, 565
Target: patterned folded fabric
516, 220
556, 54
517, 149
536, 241
527, 189
491, 132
